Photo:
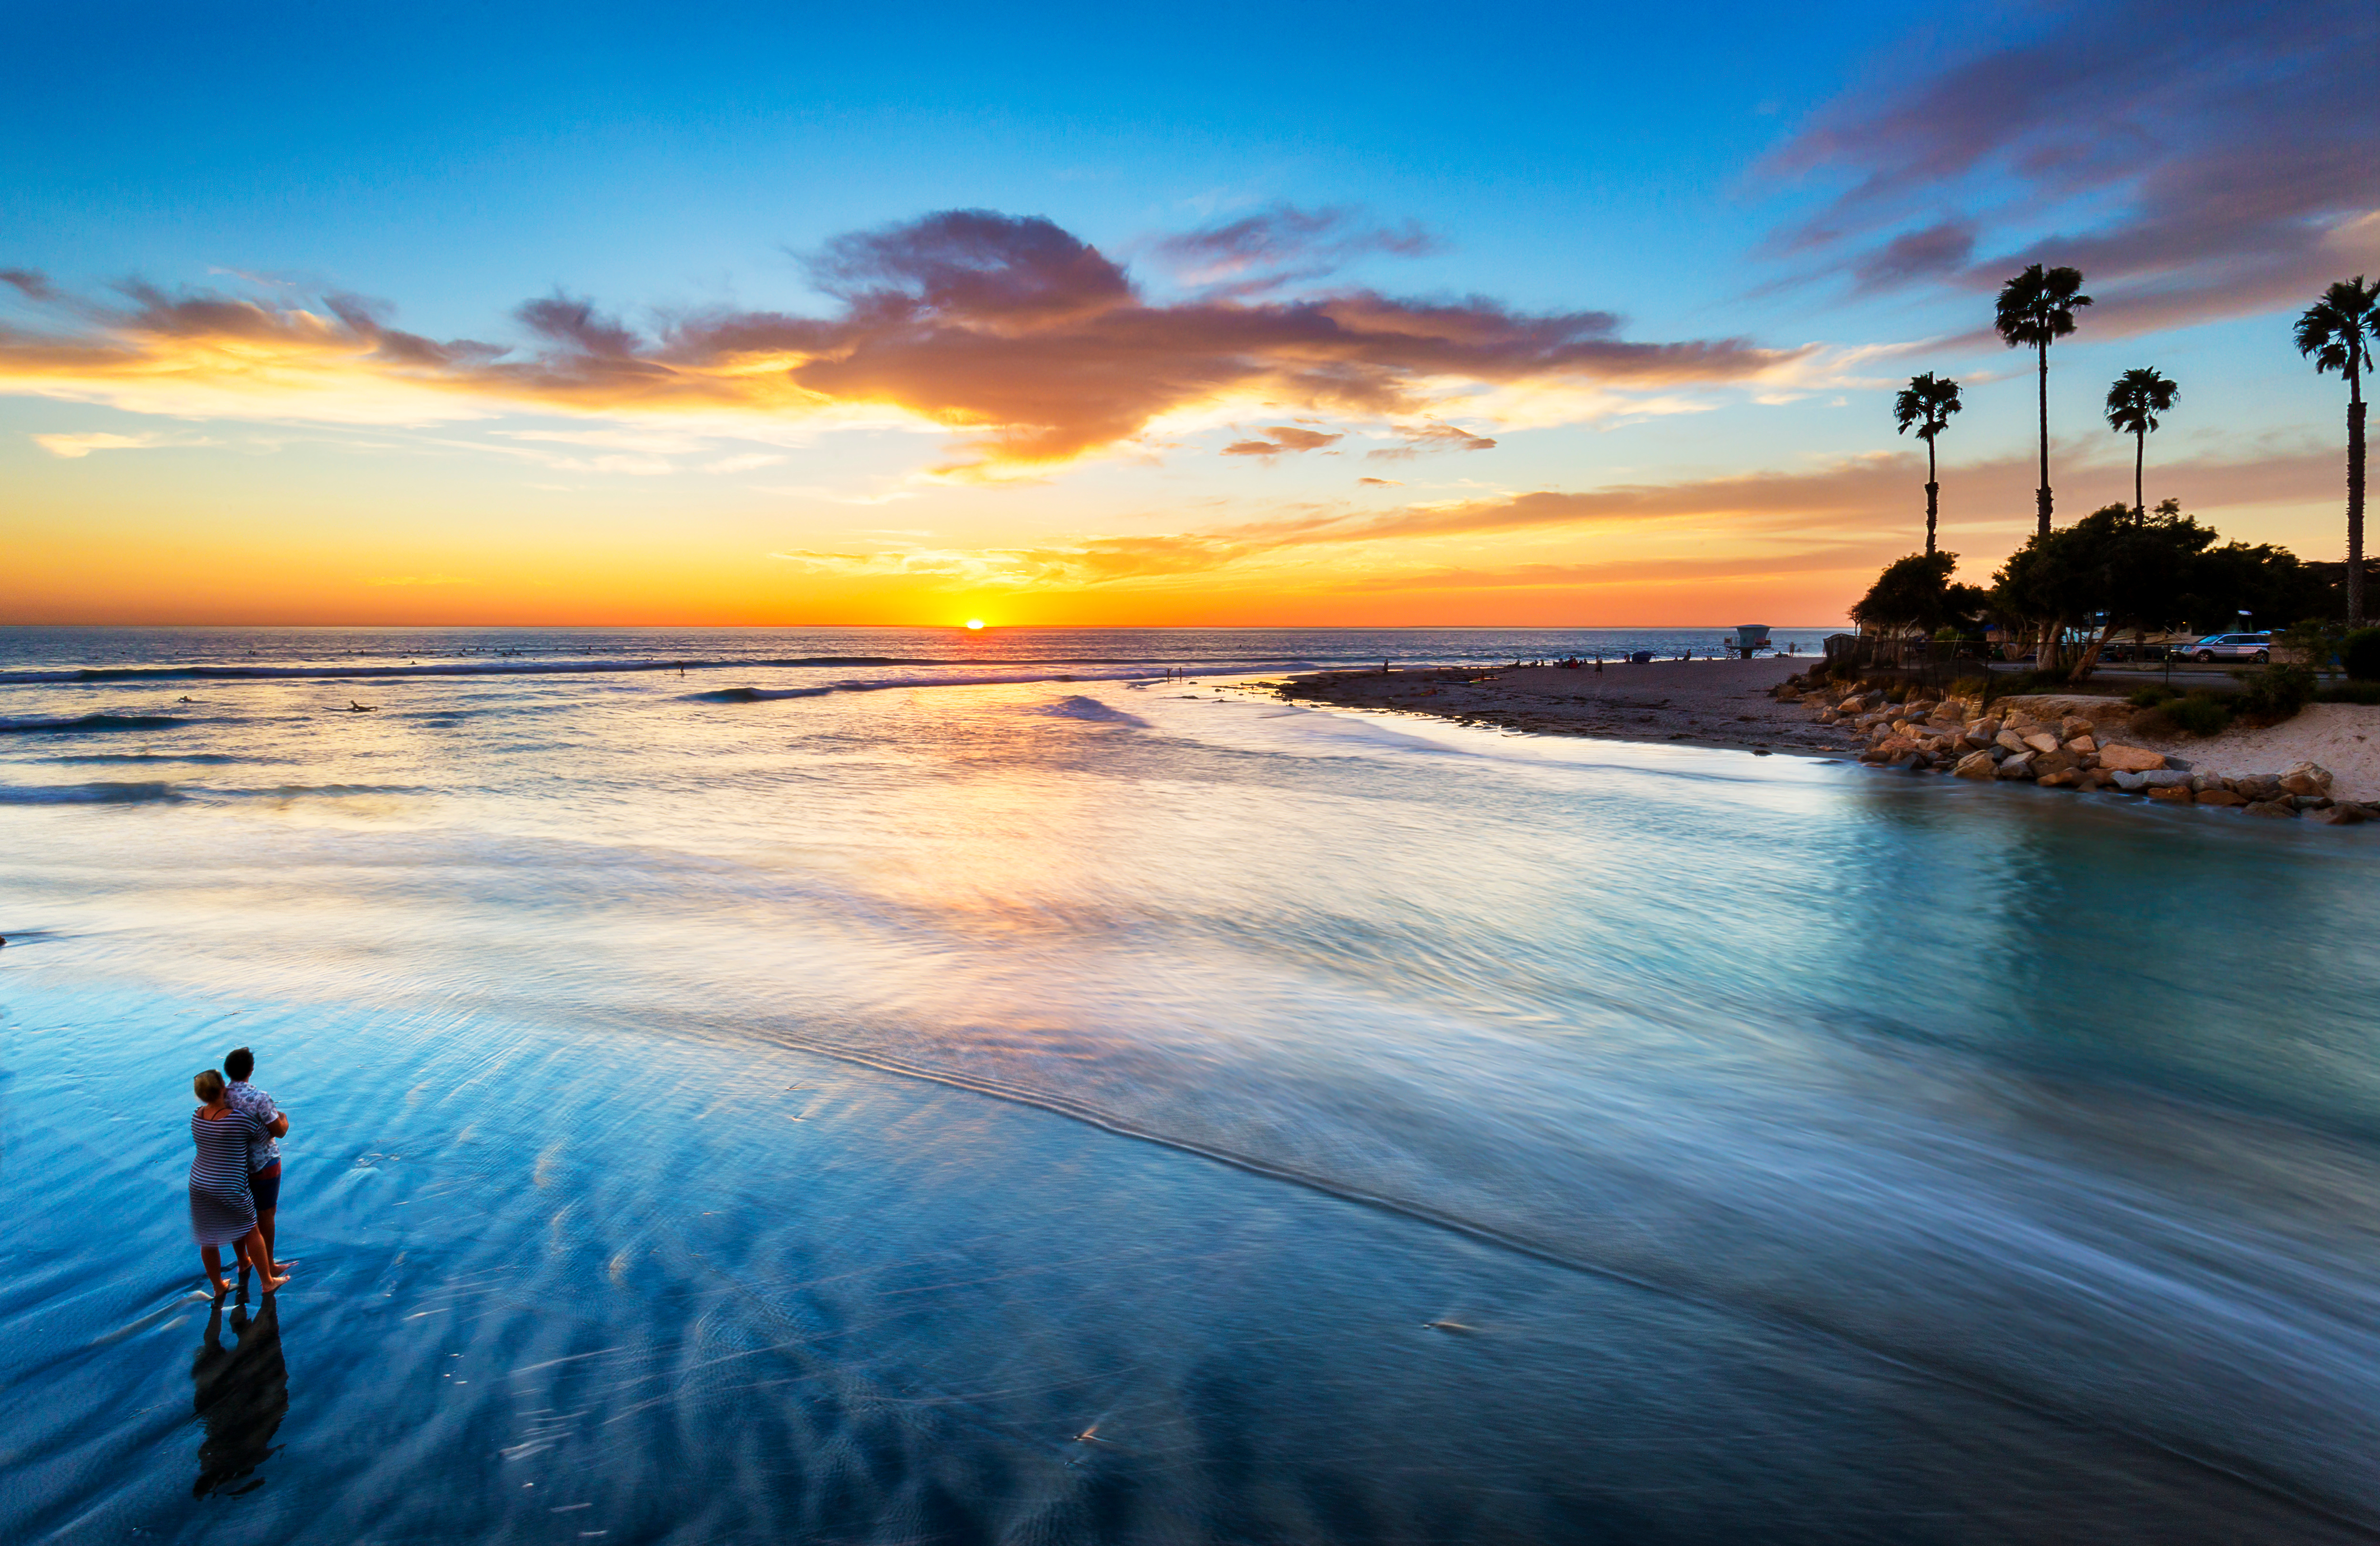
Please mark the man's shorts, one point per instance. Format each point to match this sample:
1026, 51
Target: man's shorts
265, 1187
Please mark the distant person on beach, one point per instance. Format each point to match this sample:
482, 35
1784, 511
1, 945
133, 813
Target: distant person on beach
264, 1158
223, 1211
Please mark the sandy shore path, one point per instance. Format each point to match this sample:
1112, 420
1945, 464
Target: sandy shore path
1719, 704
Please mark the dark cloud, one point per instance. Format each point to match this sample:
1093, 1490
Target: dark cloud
576, 325
972, 262
1025, 341
1251, 448
32, 284
2195, 158
1937, 252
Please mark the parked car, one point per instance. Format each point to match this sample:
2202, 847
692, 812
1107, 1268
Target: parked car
2257, 647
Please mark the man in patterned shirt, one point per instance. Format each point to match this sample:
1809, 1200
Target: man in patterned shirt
264, 1158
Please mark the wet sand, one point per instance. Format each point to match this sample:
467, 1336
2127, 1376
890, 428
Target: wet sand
1714, 704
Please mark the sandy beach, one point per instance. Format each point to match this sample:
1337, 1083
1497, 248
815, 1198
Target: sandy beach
1705, 702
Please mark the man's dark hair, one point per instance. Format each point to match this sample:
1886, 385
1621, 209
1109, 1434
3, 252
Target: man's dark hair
239, 1063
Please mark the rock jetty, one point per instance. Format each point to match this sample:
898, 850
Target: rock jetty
2013, 743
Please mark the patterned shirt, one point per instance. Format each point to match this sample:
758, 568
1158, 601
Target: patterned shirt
264, 1151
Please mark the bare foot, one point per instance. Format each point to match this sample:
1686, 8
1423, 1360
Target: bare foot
282, 1267
271, 1283
222, 1288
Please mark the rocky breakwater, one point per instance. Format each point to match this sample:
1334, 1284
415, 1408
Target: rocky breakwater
2012, 744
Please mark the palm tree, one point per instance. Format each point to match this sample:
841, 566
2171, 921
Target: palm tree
1927, 403
2036, 307
2337, 331
2133, 404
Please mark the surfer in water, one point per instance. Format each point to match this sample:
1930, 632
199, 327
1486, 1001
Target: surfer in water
356, 708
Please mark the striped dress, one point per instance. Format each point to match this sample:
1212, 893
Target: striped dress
222, 1209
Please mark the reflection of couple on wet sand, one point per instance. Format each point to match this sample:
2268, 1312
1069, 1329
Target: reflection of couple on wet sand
242, 1395
236, 1179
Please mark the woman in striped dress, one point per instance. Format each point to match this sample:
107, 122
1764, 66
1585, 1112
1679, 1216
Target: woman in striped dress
223, 1212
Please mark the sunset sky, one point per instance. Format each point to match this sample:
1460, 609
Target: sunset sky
1285, 315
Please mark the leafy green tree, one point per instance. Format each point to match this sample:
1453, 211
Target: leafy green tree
1917, 595
2133, 404
2038, 307
1926, 405
2120, 569
2336, 332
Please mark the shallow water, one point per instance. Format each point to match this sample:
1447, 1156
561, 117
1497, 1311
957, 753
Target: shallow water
1140, 1110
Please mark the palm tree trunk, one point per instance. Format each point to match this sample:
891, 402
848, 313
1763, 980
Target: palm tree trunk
2041, 496
1933, 495
2140, 458
2355, 405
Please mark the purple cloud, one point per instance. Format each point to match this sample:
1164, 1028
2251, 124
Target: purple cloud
2194, 158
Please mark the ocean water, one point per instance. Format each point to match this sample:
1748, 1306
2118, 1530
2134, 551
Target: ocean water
980, 1089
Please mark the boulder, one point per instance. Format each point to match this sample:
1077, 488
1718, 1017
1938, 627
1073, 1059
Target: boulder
2306, 778
2281, 809
2041, 740
2011, 740
2081, 746
2066, 778
2072, 725
2055, 762
2129, 758
2178, 793
1851, 705
2020, 766
2259, 787
1975, 764
2130, 782
2165, 778
2220, 797
2311, 802
2346, 815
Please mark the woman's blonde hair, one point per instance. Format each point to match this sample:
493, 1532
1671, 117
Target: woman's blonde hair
208, 1086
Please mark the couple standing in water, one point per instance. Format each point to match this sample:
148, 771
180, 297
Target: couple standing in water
236, 1179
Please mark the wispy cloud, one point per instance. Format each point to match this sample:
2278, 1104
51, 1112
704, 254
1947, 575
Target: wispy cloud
1420, 439
1280, 438
1282, 245
1029, 343
76, 446
1842, 515
2196, 158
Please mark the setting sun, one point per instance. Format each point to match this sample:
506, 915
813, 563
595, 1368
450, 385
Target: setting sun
975, 622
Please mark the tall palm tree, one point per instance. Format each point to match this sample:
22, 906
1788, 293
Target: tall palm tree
2133, 404
2338, 331
2037, 306
1926, 404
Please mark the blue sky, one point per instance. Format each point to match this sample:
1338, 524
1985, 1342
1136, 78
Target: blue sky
1732, 180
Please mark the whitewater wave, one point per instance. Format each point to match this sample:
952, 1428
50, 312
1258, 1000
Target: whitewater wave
508, 667
755, 695
439, 668
1091, 710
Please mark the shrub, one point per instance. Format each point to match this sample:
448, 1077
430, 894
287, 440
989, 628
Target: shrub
2274, 694
2150, 695
1967, 686
2360, 652
2349, 692
2199, 713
